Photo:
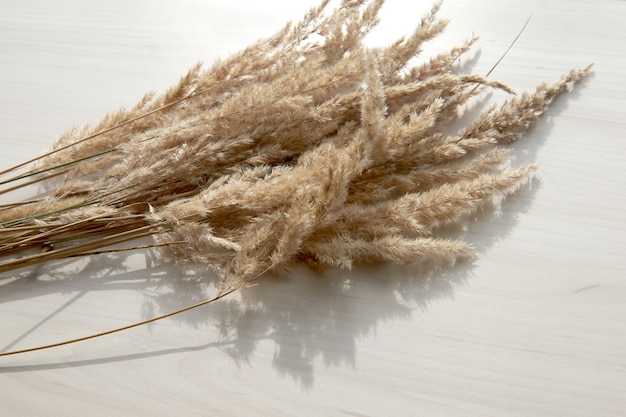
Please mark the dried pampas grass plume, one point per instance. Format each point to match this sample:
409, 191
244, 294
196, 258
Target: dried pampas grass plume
306, 146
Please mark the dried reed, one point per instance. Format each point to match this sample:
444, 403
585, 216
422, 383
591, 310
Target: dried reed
306, 146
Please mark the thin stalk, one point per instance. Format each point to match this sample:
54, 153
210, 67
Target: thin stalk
28, 228
50, 232
34, 181
53, 225
68, 251
23, 240
219, 296
507, 50
88, 202
131, 248
510, 46
63, 165
107, 130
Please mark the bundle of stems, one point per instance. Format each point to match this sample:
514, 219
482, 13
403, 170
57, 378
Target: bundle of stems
306, 146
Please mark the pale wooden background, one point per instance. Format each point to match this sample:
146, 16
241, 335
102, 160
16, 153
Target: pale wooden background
535, 327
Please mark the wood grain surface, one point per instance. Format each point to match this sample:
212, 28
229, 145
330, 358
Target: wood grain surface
536, 326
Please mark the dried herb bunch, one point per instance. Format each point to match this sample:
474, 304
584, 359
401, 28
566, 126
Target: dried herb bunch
306, 146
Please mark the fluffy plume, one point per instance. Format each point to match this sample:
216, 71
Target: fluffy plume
306, 146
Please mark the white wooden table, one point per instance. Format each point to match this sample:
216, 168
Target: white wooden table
535, 327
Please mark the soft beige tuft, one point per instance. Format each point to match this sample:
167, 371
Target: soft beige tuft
306, 146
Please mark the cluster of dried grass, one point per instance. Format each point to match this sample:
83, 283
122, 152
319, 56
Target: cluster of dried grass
306, 146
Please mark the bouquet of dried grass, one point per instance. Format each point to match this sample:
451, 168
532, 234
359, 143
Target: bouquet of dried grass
306, 146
